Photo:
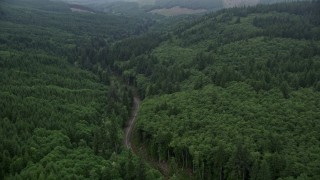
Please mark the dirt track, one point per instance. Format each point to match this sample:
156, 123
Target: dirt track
130, 123
128, 130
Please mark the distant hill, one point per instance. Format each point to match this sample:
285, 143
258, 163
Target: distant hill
233, 3
79, 8
192, 4
211, 4
173, 7
164, 7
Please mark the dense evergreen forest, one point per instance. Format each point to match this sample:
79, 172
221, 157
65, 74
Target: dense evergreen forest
233, 94
61, 112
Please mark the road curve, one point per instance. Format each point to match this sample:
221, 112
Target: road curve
161, 166
130, 123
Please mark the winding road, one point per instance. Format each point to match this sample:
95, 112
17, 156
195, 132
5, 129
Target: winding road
128, 130
131, 121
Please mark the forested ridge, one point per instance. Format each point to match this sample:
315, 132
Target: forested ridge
233, 94
61, 111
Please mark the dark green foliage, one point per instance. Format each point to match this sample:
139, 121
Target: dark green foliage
264, 121
59, 121
234, 94
136, 46
107, 26
140, 170
230, 95
264, 171
225, 50
130, 168
241, 161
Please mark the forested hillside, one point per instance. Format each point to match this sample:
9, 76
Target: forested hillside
61, 112
233, 94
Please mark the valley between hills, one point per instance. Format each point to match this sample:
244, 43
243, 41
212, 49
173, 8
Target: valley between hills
110, 91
